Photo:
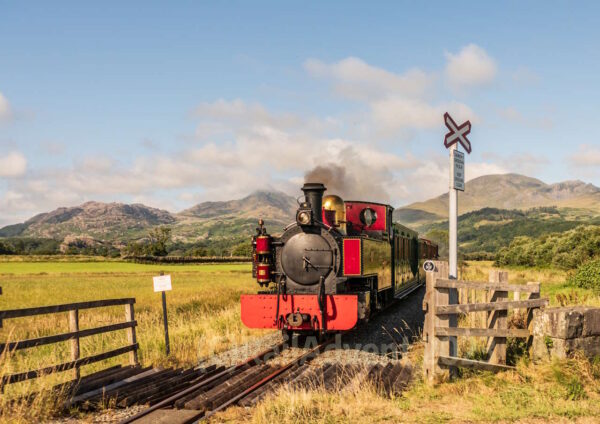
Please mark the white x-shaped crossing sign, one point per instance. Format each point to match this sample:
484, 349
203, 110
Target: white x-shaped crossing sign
457, 134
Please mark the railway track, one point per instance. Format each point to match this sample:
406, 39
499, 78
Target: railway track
191, 395
224, 388
195, 394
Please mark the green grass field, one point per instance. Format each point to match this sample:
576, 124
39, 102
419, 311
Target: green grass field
203, 311
204, 319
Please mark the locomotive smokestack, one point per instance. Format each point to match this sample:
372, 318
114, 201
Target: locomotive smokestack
314, 195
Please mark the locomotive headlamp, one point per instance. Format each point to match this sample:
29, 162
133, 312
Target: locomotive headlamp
303, 217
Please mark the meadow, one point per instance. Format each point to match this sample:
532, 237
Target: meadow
204, 320
203, 312
557, 391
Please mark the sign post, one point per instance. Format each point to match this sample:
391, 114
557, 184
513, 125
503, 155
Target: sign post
162, 283
457, 134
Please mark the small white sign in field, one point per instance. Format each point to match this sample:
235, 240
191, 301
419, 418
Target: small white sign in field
162, 283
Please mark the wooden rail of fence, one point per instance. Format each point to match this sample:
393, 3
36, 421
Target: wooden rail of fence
446, 299
73, 335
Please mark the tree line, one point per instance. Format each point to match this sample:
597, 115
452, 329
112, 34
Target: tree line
566, 250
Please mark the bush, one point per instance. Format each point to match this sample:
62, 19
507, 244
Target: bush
587, 276
242, 249
566, 250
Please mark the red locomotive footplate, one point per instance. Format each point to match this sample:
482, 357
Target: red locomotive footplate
259, 310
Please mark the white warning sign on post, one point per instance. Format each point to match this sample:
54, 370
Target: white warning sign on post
457, 173
162, 283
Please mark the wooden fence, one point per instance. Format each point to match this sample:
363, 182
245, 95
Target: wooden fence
73, 336
443, 305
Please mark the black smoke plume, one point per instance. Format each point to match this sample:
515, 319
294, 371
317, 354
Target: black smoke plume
362, 183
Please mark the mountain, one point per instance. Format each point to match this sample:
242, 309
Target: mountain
219, 224
235, 220
106, 221
498, 205
265, 204
505, 191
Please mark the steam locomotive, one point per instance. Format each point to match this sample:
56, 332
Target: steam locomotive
338, 264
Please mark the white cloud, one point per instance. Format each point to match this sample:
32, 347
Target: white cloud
239, 111
524, 75
586, 156
242, 146
5, 111
53, 147
470, 67
519, 162
396, 103
512, 114
394, 114
356, 79
14, 164
256, 157
478, 169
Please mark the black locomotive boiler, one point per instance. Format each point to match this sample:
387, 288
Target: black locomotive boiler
336, 265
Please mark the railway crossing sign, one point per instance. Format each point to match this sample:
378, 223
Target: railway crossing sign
428, 266
457, 134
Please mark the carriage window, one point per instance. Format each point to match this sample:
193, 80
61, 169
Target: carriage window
368, 216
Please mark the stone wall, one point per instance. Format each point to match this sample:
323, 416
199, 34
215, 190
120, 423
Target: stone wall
559, 332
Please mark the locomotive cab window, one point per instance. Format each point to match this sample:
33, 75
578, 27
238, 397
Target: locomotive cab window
368, 216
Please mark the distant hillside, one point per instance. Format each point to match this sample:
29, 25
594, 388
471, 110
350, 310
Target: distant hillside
106, 221
276, 205
488, 230
214, 225
235, 220
494, 209
507, 191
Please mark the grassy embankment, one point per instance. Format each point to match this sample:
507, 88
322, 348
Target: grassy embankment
203, 310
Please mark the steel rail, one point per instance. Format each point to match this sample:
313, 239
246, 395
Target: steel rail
300, 361
167, 402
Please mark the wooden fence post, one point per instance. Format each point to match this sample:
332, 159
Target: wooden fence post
533, 295
131, 337
496, 346
436, 346
74, 327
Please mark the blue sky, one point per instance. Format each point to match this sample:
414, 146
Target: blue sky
170, 104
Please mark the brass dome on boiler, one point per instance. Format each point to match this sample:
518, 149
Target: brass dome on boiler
335, 203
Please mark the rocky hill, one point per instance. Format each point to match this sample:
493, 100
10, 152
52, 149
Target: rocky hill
105, 221
506, 191
220, 225
275, 205
235, 220
117, 222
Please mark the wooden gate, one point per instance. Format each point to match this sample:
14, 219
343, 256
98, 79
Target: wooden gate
73, 336
442, 309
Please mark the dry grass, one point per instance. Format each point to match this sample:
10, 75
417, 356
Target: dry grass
203, 308
204, 319
564, 390
558, 391
553, 282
